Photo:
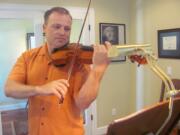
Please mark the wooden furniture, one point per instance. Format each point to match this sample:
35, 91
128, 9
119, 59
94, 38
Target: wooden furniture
14, 122
147, 121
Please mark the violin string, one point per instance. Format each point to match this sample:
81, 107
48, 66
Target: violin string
77, 45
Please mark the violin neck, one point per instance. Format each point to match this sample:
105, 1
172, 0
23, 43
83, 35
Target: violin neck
87, 48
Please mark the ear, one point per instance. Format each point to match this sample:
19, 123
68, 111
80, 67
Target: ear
44, 28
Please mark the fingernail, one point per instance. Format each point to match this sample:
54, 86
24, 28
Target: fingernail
61, 101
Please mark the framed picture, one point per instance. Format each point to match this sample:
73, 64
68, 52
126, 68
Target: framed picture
169, 43
30, 40
115, 34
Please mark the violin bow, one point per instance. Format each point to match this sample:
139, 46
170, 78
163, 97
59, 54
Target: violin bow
77, 45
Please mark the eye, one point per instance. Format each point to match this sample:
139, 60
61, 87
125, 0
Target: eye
67, 28
56, 26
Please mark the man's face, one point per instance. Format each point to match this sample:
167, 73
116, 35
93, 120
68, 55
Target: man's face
57, 30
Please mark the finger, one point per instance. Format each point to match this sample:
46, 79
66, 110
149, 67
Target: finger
61, 89
58, 95
63, 84
101, 48
63, 81
62, 99
95, 48
108, 45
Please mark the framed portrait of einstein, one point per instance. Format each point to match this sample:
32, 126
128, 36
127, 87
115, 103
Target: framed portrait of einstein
115, 34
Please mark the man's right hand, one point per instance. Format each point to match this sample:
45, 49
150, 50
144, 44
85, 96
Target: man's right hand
57, 87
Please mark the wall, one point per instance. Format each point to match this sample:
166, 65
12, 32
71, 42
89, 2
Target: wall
157, 15
116, 89
160, 14
11, 31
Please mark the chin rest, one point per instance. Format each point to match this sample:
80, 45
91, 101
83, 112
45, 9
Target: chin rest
147, 121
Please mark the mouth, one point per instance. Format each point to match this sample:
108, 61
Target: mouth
60, 39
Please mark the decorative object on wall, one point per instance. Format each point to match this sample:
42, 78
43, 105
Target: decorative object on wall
30, 38
169, 43
115, 34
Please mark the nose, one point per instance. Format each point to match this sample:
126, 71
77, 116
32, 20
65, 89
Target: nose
61, 31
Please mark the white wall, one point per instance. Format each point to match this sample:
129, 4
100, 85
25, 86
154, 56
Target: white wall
12, 44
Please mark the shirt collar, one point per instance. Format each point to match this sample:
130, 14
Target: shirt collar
44, 52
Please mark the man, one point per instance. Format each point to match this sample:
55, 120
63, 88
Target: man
35, 77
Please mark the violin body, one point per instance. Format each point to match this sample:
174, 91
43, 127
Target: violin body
63, 56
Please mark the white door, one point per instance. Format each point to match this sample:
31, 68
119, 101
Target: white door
34, 14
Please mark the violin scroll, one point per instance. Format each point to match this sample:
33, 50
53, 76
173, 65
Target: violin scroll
141, 60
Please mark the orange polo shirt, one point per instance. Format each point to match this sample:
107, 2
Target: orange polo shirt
45, 115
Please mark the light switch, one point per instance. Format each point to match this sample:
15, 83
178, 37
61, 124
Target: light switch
114, 111
169, 70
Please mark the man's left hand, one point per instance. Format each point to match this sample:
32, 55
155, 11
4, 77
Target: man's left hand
100, 56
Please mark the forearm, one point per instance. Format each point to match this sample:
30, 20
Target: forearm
89, 90
17, 90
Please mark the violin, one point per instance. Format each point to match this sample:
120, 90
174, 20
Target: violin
65, 55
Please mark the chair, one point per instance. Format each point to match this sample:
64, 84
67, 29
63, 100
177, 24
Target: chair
147, 121
14, 122
176, 83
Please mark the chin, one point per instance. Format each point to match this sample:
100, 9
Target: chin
59, 45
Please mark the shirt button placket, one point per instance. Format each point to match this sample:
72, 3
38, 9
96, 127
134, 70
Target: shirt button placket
42, 123
43, 108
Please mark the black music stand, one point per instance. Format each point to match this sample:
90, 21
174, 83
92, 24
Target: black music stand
147, 121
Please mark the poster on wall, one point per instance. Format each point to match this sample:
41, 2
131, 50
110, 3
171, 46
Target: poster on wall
169, 43
115, 34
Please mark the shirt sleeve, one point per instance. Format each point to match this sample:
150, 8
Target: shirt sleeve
18, 72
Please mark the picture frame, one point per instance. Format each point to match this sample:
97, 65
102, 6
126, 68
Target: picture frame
115, 34
30, 40
169, 43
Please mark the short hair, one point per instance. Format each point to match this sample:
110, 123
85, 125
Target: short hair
59, 10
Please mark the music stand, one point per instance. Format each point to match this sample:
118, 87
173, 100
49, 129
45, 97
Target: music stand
147, 121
